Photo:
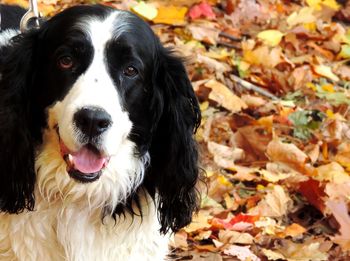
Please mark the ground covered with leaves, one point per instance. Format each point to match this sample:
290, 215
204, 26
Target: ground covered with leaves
273, 80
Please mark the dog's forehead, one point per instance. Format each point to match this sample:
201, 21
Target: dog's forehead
99, 25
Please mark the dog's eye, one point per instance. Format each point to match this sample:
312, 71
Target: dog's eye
130, 71
65, 62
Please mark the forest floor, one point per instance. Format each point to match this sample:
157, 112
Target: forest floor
273, 81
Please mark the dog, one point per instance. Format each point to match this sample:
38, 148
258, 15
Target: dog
97, 155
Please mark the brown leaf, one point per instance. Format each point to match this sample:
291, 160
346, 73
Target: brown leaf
224, 96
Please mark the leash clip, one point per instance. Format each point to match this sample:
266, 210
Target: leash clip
31, 17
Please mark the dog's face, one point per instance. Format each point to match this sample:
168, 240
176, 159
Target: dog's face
96, 99
98, 72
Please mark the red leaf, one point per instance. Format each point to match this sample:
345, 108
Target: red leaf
313, 191
218, 223
243, 218
202, 10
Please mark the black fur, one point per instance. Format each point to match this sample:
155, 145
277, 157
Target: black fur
10, 16
160, 102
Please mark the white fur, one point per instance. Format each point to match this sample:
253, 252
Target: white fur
6, 35
95, 88
66, 223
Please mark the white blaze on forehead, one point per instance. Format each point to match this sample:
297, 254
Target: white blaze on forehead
96, 88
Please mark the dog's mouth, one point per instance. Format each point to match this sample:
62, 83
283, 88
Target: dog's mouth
84, 165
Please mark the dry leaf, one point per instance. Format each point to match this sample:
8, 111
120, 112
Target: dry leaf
242, 253
171, 15
274, 204
234, 237
204, 31
286, 153
271, 37
199, 222
145, 10
326, 71
303, 16
340, 211
224, 96
225, 156
201, 10
332, 172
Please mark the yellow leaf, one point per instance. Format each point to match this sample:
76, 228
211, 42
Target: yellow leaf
325, 71
271, 37
144, 10
330, 114
304, 16
332, 172
311, 86
317, 4
328, 87
171, 15
204, 106
310, 26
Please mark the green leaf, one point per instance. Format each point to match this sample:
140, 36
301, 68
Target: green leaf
299, 118
334, 98
305, 122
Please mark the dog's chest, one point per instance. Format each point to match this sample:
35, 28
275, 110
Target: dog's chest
74, 234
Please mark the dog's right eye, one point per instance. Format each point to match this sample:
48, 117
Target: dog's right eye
65, 62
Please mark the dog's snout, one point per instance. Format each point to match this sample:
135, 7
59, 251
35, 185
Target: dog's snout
92, 121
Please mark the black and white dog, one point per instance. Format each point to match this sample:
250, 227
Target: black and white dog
97, 156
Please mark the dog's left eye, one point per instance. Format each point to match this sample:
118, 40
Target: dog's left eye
65, 62
130, 71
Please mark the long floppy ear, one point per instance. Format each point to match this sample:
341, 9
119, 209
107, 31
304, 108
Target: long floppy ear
174, 166
17, 175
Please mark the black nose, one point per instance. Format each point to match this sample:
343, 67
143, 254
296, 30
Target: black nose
92, 121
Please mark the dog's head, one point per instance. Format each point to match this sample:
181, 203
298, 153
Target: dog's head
92, 104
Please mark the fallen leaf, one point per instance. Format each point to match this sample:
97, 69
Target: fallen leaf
287, 153
145, 10
225, 156
224, 96
272, 255
235, 237
199, 222
201, 10
340, 211
325, 71
303, 16
293, 230
274, 204
171, 15
317, 4
242, 253
332, 172
271, 37
313, 191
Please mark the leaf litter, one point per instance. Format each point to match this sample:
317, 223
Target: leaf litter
273, 80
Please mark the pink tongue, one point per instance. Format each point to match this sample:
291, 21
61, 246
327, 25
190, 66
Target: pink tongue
87, 162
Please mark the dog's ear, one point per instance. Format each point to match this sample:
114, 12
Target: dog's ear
174, 158
17, 175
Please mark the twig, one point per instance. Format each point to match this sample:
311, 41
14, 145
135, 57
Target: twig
231, 37
253, 87
228, 45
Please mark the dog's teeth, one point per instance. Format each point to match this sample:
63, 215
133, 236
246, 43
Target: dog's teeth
70, 158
